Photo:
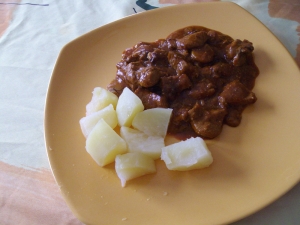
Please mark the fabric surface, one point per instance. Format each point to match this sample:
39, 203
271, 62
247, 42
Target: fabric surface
31, 35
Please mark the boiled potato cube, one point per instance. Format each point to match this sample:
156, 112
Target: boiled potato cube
104, 144
138, 141
128, 106
187, 155
153, 122
132, 165
108, 114
100, 99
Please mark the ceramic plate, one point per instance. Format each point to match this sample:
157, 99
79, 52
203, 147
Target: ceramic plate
254, 164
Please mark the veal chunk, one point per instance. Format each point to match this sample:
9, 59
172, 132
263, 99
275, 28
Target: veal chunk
238, 51
173, 85
207, 123
195, 40
150, 99
150, 76
236, 93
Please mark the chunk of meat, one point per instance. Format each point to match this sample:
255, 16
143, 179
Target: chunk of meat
127, 57
234, 116
150, 99
180, 120
218, 39
178, 63
150, 76
171, 86
171, 43
222, 69
236, 93
238, 50
203, 55
202, 89
142, 49
206, 123
181, 114
178, 34
158, 58
132, 73
195, 40
117, 86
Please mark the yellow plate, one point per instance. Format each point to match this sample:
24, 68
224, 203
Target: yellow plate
254, 164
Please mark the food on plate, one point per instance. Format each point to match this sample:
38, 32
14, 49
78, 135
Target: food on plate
188, 85
187, 155
205, 76
104, 144
138, 141
153, 122
132, 165
127, 107
100, 99
109, 115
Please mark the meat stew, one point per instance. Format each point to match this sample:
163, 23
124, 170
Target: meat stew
205, 76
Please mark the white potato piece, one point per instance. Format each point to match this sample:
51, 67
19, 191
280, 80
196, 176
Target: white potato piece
100, 99
104, 144
128, 106
138, 141
187, 155
132, 165
109, 115
153, 122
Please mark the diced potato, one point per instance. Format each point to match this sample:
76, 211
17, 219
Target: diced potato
153, 122
128, 106
104, 144
108, 114
100, 99
132, 165
138, 141
187, 155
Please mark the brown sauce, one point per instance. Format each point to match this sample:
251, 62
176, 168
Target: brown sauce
205, 76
